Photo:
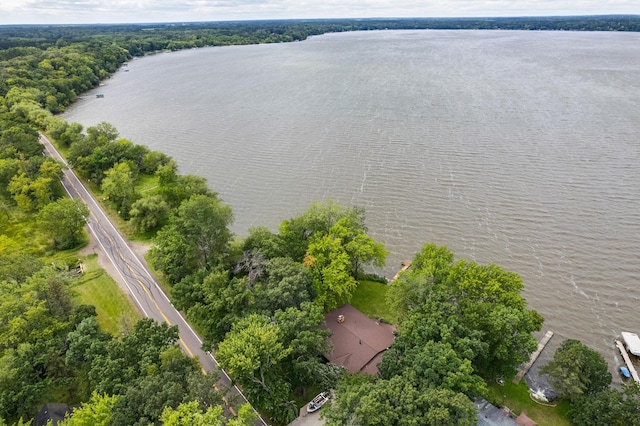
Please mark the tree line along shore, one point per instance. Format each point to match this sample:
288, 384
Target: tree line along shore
258, 301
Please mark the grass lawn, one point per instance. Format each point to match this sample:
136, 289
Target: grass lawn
22, 229
517, 398
370, 299
146, 183
96, 287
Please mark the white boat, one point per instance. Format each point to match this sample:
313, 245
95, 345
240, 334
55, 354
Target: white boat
317, 402
632, 342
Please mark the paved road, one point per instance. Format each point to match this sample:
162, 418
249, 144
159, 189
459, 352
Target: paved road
137, 278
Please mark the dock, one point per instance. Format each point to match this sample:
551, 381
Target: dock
534, 356
627, 360
404, 266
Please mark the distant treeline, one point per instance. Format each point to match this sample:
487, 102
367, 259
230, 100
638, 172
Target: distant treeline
140, 38
53, 64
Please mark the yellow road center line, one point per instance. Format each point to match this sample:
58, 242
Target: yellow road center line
135, 274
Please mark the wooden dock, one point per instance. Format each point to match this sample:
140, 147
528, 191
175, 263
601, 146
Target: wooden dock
405, 265
534, 356
627, 360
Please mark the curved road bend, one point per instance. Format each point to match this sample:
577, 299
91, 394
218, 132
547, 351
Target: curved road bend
137, 278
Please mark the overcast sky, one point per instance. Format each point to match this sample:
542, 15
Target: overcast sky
117, 11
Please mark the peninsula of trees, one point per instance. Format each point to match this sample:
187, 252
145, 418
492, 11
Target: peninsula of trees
258, 301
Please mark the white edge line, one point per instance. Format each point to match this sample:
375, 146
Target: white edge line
99, 208
95, 235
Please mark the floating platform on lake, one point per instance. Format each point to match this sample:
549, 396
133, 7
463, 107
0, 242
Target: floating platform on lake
627, 360
405, 265
534, 356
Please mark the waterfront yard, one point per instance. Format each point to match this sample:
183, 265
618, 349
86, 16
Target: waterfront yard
370, 299
517, 399
95, 287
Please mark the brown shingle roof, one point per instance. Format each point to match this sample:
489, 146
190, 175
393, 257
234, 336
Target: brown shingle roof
358, 341
523, 420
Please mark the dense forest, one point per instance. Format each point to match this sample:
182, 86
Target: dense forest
258, 302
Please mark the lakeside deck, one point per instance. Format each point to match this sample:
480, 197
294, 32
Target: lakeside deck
534, 356
627, 360
404, 266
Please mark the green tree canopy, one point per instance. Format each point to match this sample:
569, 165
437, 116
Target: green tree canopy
251, 349
285, 284
63, 221
118, 186
370, 402
197, 237
175, 188
98, 411
262, 239
189, 414
35, 315
330, 268
149, 213
477, 309
577, 370
253, 354
435, 365
139, 352
361, 248
296, 232
609, 407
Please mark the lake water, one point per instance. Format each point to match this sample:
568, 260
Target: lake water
518, 148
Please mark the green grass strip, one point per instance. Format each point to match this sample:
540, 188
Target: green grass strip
517, 399
370, 298
95, 287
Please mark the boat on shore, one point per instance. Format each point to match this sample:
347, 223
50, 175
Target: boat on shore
625, 372
632, 342
317, 402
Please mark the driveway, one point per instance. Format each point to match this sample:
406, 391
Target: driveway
308, 419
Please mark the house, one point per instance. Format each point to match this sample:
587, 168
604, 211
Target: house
53, 412
490, 415
358, 341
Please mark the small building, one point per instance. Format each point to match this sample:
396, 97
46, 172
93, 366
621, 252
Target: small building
490, 415
358, 341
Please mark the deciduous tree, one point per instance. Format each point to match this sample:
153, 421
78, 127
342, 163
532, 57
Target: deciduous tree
197, 237
296, 233
577, 370
190, 414
361, 248
479, 303
330, 267
118, 186
609, 407
63, 221
98, 411
149, 213
285, 284
371, 402
434, 364
252, 353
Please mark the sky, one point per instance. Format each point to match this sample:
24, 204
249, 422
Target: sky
139, 11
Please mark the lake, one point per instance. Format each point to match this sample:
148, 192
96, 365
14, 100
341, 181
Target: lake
517, 148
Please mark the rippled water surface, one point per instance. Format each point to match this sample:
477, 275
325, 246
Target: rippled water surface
518, 148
